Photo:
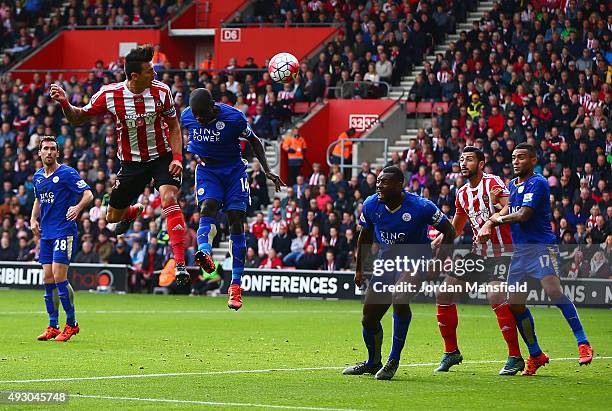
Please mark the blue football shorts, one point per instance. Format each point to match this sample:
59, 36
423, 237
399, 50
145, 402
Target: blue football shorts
228, 184
59, 250
536, 261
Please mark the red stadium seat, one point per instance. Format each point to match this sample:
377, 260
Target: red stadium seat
424, 107
301, 107
411, 107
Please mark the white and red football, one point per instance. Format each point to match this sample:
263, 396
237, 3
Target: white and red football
283, 67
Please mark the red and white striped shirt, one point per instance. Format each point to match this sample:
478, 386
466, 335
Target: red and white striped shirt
142, 133
476, 203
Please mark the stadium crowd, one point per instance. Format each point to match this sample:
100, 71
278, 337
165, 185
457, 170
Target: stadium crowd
24, 25
378, 41
538, 91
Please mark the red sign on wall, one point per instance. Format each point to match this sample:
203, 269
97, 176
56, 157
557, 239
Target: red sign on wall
230, 35
361, 122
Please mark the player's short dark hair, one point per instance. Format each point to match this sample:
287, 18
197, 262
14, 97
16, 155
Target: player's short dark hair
44, 139
396, 172
479, 154
135, 59
201, 101
526, 146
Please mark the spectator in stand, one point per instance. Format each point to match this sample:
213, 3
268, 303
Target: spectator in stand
87, 254
295, 146
271, 261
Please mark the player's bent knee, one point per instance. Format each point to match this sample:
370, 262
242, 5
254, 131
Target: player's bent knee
114, 215
496, 298
208, 208
444, 298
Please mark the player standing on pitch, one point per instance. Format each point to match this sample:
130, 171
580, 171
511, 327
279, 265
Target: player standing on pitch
221, 179
394, 217
149, 142
535, 254
56, 190
477, 201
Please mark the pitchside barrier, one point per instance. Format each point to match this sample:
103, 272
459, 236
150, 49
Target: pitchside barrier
337, 285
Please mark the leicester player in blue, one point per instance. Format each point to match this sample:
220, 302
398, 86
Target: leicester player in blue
215, 130
535, 254
392, 217
57, 189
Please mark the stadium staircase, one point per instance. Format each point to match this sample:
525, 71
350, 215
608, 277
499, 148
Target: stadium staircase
400, 144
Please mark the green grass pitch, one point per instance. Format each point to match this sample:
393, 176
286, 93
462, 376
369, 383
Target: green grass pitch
295, 350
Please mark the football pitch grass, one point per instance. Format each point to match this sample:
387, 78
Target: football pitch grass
179, 352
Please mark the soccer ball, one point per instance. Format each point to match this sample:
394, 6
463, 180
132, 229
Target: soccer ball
283, 67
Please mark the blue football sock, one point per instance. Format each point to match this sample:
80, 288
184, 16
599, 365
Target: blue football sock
52, 304
373, 341
66, 296
571, 316
400, 330
238, 252
206, 233
526, 327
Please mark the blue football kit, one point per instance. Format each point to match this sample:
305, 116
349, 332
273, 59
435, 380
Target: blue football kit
535, 253
56, 193
221, 175
408, 224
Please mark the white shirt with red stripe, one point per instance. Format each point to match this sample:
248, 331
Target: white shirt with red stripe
142, 133
477, 204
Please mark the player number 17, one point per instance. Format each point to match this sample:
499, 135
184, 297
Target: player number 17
544, 260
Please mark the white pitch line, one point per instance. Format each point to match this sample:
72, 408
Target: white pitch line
260, 371
230, 404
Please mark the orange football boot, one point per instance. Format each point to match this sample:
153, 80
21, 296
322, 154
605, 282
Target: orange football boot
235, 297
50, 332
533, 363
586, 354
68, 332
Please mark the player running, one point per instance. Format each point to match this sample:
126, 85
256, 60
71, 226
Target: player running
57, 189
221, 179
477, 201
393, 217
535, 254
149, 143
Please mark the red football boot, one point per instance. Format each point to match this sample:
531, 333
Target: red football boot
50, 332
68, 332
533, 363
235, 297
586, 354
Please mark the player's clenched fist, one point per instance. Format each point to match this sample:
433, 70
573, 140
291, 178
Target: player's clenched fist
358, 278
176, 168
35, 227
57, 93
278, 183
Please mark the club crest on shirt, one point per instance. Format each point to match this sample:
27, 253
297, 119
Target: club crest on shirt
406, 217
200, 191
220, 125
521, 189
485, 198
55, 179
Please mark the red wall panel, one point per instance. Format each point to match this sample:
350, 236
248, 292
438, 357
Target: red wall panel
263, 43
219, 11
325, 127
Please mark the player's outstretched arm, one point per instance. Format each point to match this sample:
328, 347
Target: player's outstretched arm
364, 241
523, 214
34, 224
260, 154
74, 211
75, 115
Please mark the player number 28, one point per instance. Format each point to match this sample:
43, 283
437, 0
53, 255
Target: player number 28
60, 245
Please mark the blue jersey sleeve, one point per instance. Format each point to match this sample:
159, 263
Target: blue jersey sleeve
535, 194
435, 216
76, 183
365, 219
247, 131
